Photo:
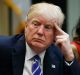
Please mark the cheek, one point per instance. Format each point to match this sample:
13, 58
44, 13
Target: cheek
29, 32
50, 38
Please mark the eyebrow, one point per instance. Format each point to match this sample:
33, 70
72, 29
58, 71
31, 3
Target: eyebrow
36, 20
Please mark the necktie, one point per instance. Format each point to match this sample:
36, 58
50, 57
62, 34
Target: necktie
36, 70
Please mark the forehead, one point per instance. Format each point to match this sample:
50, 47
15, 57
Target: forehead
42, 18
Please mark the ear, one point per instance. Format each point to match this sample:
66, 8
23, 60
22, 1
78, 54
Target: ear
25, 23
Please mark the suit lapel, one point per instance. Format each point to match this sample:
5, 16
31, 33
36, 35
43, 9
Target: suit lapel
18, 56
52, 62
51, 59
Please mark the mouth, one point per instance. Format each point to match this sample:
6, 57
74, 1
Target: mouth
39, 40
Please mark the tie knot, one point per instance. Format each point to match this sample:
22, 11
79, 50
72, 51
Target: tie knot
37, 58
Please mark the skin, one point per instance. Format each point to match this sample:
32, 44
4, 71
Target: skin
41, 32
62, 40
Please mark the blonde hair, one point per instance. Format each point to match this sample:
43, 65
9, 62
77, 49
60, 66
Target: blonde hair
46, 9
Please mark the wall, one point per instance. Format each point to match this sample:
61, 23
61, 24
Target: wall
73, 11
4, 28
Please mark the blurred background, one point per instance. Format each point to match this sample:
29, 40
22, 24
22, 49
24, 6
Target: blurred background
13, 14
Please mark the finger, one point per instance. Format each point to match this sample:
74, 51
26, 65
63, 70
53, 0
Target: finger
61, 37
58, 29
59, 42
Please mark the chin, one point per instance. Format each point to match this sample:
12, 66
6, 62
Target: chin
38, 45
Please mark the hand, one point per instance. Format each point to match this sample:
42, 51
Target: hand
63, 42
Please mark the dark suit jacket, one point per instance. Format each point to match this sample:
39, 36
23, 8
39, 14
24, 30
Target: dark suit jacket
12, 56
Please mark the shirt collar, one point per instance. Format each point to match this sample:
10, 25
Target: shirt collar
41, 55
30, 53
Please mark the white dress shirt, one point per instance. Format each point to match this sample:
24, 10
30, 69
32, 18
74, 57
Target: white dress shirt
28, 61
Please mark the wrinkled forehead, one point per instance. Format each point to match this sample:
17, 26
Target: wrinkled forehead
43, 17
48, 13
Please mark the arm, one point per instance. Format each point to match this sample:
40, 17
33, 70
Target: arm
75, 51
63, 42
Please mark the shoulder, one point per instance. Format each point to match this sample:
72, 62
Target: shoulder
54, 52
55, 49
9, 40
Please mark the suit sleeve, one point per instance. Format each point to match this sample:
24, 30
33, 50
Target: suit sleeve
73, 69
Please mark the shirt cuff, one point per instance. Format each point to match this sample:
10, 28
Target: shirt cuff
69, 63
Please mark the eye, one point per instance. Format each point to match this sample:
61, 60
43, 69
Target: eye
36, 23
48, 27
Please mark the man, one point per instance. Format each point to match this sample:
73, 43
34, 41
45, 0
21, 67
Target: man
43, 37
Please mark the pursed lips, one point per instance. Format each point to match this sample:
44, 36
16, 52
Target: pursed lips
39, 40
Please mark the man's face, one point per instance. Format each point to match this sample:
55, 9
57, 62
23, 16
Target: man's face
39, 33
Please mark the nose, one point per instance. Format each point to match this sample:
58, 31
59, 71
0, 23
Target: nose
41, 30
